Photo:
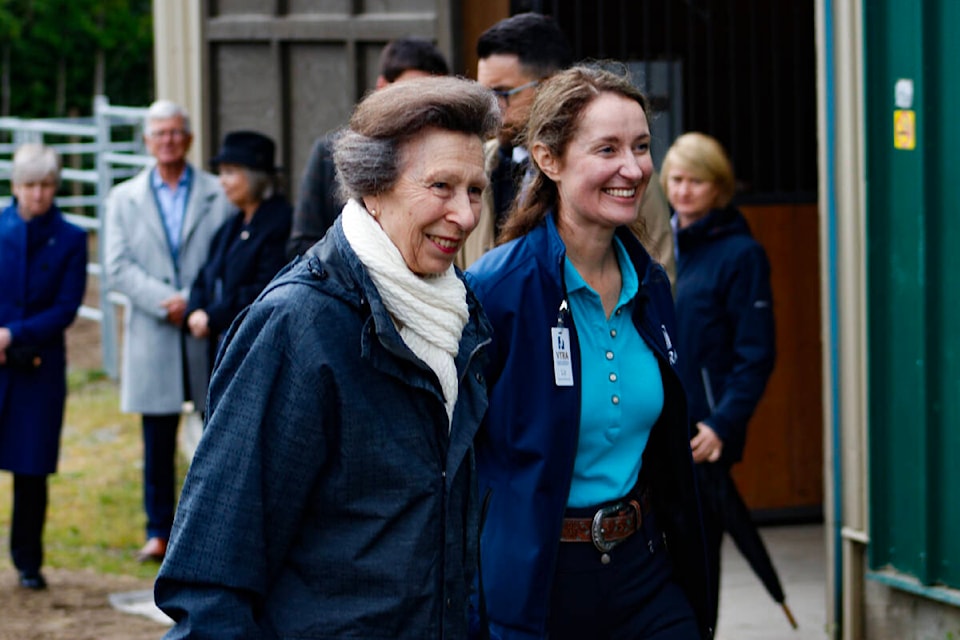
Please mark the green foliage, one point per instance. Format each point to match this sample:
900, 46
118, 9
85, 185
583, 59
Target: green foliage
54, 49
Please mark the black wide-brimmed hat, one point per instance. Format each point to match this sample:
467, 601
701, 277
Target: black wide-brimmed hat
248, 149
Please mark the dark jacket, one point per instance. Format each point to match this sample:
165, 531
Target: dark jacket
242, 261
43, 275
527, 446
327, 498
318, 204
725, 324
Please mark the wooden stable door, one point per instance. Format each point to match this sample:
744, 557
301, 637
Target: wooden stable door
781, 475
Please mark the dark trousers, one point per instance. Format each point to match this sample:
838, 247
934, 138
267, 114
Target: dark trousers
26, 528
159, 472
633, 597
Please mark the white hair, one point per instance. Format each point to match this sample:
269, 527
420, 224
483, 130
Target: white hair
163, 109
35, 162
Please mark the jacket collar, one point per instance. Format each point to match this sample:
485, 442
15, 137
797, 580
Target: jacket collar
716, 224
546, 234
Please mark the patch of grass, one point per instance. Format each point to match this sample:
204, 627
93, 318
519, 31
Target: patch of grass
95, 516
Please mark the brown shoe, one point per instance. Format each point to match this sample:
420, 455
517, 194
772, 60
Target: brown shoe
153, 551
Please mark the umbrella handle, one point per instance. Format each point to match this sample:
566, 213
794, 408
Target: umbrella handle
789, 614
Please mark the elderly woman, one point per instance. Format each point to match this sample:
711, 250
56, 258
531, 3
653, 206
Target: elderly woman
724, 317
246, 251
43, 274
593, 526
333, 490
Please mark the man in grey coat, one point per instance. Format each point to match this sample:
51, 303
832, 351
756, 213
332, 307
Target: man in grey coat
158, 229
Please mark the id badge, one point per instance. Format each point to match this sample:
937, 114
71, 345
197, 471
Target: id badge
562, 362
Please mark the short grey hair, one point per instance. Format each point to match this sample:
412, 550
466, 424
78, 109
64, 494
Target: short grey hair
367, 152
163, 109
261, 183
35, 162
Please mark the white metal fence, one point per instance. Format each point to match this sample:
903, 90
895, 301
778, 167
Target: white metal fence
96, 152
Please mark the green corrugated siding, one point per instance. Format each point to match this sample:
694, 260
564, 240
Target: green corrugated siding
913, 271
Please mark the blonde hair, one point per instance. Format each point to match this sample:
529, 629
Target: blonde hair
705, 158
34, 162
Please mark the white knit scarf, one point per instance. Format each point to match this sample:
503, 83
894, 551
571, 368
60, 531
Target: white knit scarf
429, 312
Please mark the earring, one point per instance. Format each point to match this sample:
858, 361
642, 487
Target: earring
373, 212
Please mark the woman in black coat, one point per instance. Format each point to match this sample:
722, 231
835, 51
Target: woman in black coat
724, 316
247, 250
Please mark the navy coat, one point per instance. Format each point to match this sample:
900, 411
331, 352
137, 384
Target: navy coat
725, 324
330, 496
41, 289
242, 261
528, 442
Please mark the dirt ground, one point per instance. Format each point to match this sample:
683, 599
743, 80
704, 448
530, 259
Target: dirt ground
75, 606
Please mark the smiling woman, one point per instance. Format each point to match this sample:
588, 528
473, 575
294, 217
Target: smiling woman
593, 527
305, 490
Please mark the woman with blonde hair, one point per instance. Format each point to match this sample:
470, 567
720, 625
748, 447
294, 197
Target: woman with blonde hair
724, 316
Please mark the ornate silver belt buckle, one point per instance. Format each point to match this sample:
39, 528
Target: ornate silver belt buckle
596, 530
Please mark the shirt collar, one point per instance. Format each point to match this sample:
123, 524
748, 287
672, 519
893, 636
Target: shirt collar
185, 177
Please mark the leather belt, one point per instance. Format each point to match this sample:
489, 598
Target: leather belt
610, 525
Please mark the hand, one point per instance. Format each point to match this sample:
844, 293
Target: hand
175, 306
5, 339
706, 445
199, 324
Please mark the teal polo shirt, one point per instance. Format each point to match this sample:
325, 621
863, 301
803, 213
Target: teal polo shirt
620, 386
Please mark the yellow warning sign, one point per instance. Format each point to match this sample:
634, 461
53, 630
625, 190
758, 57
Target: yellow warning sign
904, 129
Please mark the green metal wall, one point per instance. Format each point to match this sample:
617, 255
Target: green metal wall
913, 271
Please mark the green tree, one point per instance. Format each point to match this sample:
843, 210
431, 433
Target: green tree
63, 52
10, 26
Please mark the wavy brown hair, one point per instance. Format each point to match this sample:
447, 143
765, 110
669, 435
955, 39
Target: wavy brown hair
554, 120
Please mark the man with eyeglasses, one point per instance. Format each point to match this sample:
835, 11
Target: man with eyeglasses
158, 228
515, 56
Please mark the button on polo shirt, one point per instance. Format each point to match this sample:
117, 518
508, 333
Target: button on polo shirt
621, 392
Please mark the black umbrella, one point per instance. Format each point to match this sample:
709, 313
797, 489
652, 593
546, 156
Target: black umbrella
721, 496
727, 508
